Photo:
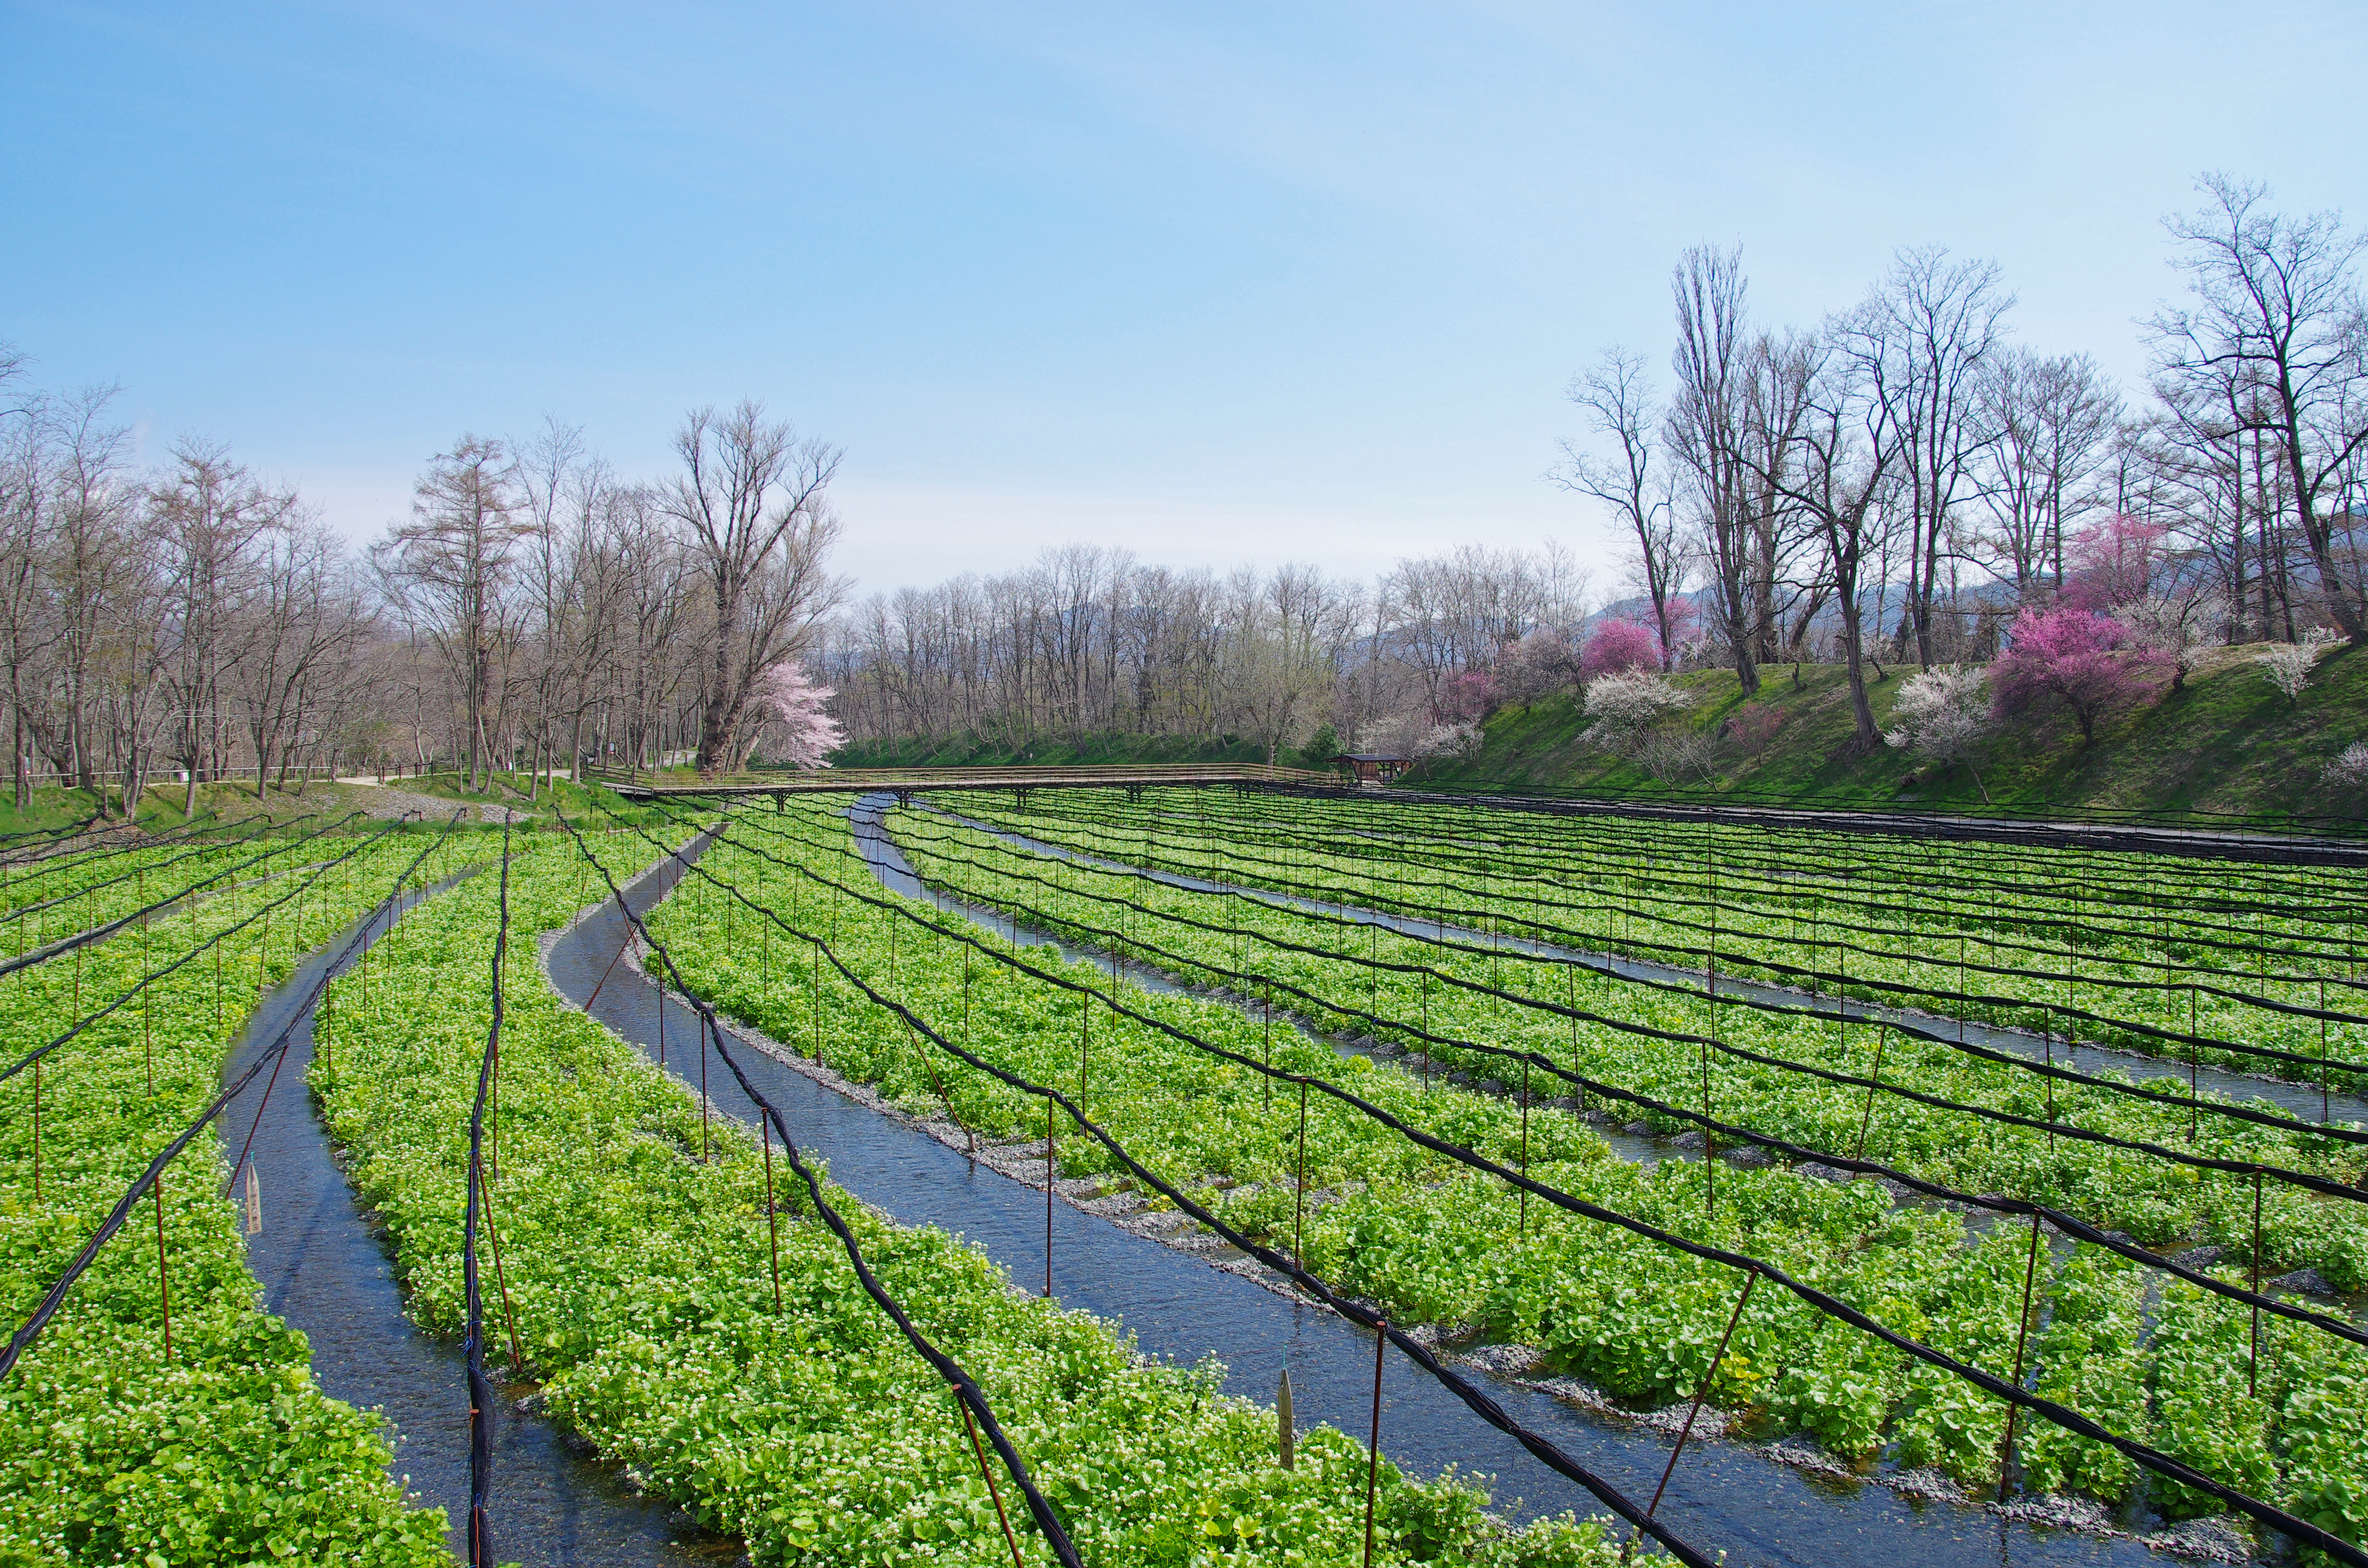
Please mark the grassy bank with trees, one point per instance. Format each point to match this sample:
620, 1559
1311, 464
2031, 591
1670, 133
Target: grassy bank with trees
2227, 740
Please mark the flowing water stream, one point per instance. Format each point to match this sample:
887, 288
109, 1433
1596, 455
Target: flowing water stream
326, 1270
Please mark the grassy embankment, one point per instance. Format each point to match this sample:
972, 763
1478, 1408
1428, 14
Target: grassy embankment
2228, 742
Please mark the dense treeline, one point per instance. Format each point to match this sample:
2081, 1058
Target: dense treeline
535, 611
1089, 641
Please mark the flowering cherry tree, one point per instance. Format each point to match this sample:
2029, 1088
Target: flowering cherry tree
793, 728
2069, 659
1619, 647
1944, 714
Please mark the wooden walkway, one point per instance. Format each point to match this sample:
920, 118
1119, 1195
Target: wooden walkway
905, 781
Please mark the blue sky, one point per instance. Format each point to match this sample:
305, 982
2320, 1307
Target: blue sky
1212, 282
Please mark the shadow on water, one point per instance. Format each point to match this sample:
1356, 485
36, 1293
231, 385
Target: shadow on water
1725, 1496
325, 1271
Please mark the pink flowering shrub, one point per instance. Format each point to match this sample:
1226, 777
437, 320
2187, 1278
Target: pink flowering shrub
1619, 647
1753, 725
2069, 659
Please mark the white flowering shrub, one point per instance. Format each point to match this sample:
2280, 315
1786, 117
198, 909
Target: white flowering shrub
2349, 768
2288, 664
1625, 706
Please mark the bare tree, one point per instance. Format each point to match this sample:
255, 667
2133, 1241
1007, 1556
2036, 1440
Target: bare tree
297, 626
755, 500
1731, 425
450, 569
2053, 424
1620, 406
1282, 651
1846, 453
2278, 318
1941, 323
204, 518
1707, 423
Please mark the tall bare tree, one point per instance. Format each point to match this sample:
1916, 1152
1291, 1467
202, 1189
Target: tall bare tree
2053, 424
204, 519
755, 500
450, 570
2278, 314
1620, 407
1942, 322
1707, 419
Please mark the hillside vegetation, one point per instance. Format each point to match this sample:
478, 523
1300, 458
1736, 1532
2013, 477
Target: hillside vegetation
2228, 743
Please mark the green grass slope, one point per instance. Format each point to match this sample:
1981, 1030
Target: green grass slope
2228, 744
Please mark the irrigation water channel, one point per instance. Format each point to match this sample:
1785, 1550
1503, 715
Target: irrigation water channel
325, 1271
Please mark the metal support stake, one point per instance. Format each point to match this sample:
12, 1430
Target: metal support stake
2021, 1337
1525, 1148
1881, 1032
1700, 1394
1051, 1164
992, 1490
164, 1287
1373, 1444
1266, 1079
1298, 1203
2253, 1369
772, 1214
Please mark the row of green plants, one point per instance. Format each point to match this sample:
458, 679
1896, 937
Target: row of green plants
41, 902
1946, 962
2084, 900
635, 1279
220, 1449
1433, 1240
1213, 940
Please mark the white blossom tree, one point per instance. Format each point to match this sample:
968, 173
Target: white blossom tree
1628, 706
791, 725
1943, 715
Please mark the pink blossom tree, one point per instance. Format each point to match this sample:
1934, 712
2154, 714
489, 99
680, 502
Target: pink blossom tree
1619, 647
2070, 659
1466, 699
792, 726
2114, 563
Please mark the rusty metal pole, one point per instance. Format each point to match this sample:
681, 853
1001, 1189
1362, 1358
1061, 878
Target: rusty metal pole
1702, 1394
2253, 1369
986, 1473
1299, 1202
1867, 1116
1373, 1444
2021, 1337
772, 1214
2194, 1055
164, 1287
1051, 1164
